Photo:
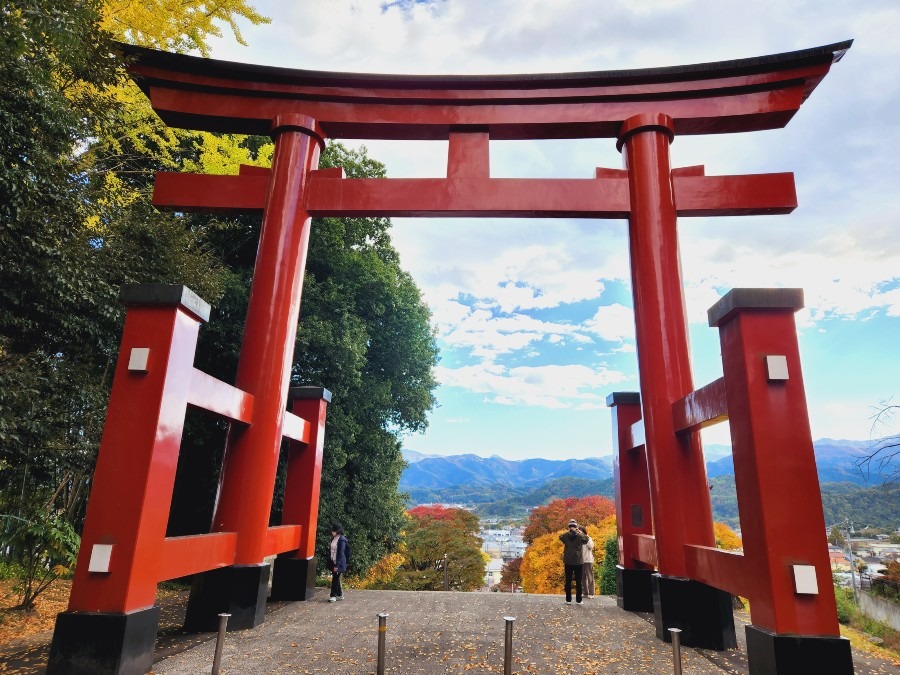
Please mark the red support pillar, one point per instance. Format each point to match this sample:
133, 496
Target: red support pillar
251, 456
634, 513
294, 576
681, 507
795, 626
111, 622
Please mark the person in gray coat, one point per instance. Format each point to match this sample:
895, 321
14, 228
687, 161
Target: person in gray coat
587, 563
573, 540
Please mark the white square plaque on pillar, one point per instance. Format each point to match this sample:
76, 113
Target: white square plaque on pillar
100, 555
805, 580
776, 368
138, 359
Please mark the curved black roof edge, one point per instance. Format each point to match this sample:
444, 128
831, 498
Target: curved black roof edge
247, 71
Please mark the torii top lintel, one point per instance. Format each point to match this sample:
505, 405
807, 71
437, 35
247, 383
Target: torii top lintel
721, 97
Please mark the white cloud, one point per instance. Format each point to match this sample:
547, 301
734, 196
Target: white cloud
543, 386
612, 322
488, 335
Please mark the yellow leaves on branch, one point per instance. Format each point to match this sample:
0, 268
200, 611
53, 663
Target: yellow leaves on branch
218, 154
380, 573
726, 538
542, 565
176, 25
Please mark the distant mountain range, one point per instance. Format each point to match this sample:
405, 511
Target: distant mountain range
502, 487
836, 461
472, 470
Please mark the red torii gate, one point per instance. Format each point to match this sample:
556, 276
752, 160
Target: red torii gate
125, 551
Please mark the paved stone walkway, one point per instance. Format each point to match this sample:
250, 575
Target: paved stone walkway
439, 632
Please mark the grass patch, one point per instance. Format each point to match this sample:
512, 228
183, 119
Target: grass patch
861, 629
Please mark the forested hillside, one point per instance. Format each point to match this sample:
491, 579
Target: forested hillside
875, 506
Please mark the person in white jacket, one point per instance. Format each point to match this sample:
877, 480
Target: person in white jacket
587, 564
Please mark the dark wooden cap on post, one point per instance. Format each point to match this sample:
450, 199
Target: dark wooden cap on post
310, 392
165, 295
740, 299
623, 398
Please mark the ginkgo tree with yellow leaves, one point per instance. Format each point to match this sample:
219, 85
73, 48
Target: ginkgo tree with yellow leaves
176, 25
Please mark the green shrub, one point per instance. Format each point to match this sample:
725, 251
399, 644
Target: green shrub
10, 570
845, 607
47, 547
608, 569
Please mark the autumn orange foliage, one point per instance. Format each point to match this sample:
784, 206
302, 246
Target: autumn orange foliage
554, 516
542, 565
726, 538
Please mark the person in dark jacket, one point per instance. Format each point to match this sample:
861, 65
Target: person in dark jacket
573, 540
337, 561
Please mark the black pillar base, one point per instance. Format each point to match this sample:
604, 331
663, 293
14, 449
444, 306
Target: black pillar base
240, 591
703, 613
103, 643
634, 592
294, 578
772, 654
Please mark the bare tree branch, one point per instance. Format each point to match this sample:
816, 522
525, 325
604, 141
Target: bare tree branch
882, 458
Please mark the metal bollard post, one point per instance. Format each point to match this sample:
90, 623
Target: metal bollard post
220, 643
446, 574
382, 629
507, 656
676, 648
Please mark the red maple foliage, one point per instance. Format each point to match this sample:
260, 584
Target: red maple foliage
461, 518
433, 512
555, 515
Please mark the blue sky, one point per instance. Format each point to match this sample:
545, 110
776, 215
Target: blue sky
534, 317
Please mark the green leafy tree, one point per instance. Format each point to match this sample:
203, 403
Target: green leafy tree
55, 322
67, 243
428, 538
836, 537
608, 568
80, 146
47, 546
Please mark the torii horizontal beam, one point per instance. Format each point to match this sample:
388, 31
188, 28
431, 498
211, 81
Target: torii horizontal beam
721, 97
603, 197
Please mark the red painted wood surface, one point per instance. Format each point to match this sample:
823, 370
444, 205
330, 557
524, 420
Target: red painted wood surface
603, 197
183, 556
304, 473
135, 474
632, 483
281, 538
681, 509
723, 97
251, 455
782, 523
701, 408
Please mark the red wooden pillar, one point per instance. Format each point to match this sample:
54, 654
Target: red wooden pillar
795, 626
634, 513
294, 576
111, 622
681, 507
251, 455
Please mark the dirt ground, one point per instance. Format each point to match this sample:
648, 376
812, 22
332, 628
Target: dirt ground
16, 624
25, 637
